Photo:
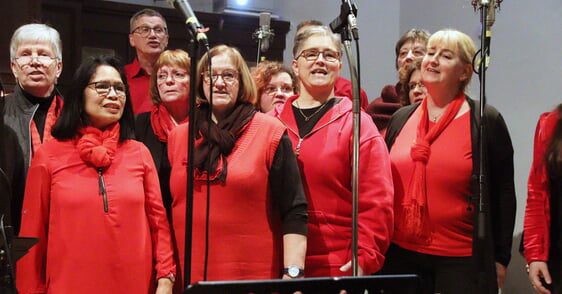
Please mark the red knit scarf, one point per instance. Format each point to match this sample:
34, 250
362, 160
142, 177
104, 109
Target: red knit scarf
162, 123
412, 217
98, 147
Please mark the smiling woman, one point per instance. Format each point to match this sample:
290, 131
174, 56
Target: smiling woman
320, 129
93, 178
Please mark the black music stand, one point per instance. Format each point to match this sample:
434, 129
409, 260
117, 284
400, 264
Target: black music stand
11, 250
395, 284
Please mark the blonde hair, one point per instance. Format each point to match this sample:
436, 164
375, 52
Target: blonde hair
247, 89
458, 42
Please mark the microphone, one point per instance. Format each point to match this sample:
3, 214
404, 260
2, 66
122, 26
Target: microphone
490, 18
193, 24
264, 33
347, 16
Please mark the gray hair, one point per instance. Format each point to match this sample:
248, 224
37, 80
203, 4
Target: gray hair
145, 12
313, 31
36, 32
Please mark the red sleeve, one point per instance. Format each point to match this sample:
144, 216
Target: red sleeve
376, 194
159, 225
537, 212
31, 269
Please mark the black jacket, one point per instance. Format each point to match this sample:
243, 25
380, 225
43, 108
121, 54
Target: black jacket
491, 241
12, 178
159, 151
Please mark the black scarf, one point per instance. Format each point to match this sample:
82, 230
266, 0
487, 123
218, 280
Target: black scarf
218, 139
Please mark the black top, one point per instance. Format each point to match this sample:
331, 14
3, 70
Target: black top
41, 113
313, 114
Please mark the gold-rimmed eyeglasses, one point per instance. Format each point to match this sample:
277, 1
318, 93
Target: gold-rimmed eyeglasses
413, 86
176, 76
103, 88
28, 59
287, 90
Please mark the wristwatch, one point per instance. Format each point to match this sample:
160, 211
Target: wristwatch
293, 271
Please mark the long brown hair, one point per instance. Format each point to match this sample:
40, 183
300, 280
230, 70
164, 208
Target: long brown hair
553, 155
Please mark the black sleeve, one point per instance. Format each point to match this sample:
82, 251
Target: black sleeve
286, 189
502, 188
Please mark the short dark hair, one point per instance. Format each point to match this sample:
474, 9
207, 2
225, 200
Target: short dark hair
73, 115
411, 35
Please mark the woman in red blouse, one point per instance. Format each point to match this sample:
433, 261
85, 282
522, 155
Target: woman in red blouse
93, 198
435, 157
543, 214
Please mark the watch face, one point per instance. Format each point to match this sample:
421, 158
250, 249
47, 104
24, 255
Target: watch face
293, 271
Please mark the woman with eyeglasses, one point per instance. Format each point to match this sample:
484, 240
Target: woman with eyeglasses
412, 89
275, 83
440, 233
169, 90
320, 128
250, 221
93, 198
32, 109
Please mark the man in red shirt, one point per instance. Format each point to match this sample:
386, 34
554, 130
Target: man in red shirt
149, 37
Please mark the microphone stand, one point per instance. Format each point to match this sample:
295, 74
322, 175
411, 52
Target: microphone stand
341, 25
480, 248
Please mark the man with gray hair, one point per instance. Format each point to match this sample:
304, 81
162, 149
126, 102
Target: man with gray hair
149, 36
32, 110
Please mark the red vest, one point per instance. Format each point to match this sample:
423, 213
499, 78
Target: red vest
245, 237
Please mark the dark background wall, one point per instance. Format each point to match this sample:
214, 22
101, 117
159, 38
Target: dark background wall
89, 27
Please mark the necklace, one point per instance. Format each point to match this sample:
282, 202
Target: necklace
307, 118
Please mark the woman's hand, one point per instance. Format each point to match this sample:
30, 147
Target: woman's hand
500, 274
538, 270
346, 267
165, 286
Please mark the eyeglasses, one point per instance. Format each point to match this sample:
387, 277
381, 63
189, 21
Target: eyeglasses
228, 76
144, 31
176, 76
413, 86
284, 89
313, 54
28, 59
103, 88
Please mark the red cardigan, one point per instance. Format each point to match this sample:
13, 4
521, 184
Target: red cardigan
325, 163
245, 233
537, 213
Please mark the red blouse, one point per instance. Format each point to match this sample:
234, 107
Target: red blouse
449, 170
84, 249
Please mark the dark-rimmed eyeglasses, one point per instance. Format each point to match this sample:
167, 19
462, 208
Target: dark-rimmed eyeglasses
313, 54
228, 76
28, 59
144, 31
103, 88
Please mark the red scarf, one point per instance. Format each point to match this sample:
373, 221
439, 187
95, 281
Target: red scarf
412, 217
98, 147
162, 122
52, 115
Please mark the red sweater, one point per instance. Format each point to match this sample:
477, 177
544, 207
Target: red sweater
84, 249
325, 163
245, 237
537, 213
344, 88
